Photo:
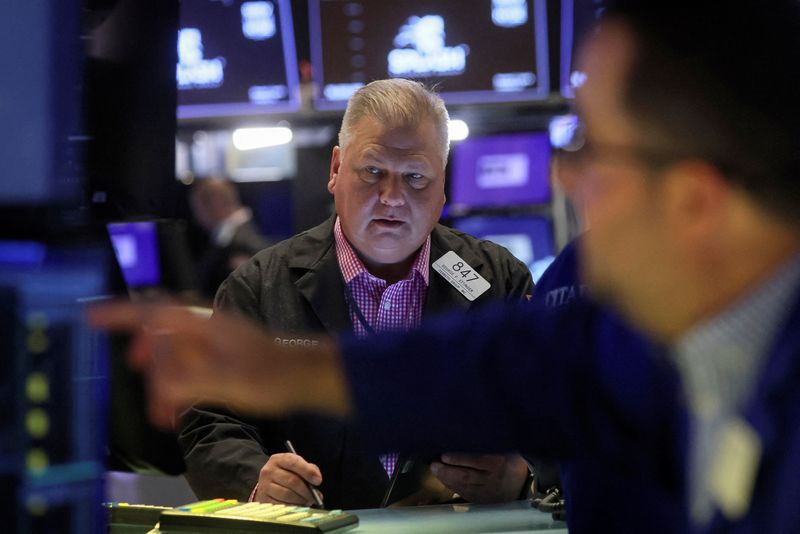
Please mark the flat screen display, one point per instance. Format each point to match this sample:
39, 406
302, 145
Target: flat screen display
42, 135
501, 170
577, 18
236, 57
136, 249
528, 238
486, 51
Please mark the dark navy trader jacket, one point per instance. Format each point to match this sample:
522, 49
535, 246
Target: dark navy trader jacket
296, 288
626, 359
560, 283
615, 410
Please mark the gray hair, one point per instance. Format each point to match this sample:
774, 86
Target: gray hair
396, 102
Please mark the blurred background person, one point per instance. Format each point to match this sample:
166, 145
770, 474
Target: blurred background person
233, 236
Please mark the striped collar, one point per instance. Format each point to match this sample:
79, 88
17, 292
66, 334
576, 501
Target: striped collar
223, 233
721, 357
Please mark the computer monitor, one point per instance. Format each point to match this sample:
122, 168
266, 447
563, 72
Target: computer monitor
136, 250
577, 18
236, 57
53, 388
488, 51
154, 257
41, 57
528, 238
500, 170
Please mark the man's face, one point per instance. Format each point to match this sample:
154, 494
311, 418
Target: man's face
626, 253
202, 211
388, 185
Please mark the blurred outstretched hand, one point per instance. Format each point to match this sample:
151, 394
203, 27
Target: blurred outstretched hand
228, 360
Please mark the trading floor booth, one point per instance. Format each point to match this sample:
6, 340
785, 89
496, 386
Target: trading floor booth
105, 92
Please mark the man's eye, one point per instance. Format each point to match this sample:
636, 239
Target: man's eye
372, 170
416, 179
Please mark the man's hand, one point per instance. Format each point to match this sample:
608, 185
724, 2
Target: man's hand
482, 478
223, 360
283, 479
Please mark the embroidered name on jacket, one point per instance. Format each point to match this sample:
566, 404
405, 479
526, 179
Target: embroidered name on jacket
563, 295
296, 342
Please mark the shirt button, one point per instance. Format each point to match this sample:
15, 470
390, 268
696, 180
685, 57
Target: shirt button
387, 305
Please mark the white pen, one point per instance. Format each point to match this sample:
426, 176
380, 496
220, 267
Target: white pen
314, 491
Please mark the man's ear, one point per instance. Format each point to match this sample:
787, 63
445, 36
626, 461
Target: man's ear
697, 197
336, 161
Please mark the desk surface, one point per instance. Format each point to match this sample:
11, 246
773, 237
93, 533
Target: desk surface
507, 518
516, 516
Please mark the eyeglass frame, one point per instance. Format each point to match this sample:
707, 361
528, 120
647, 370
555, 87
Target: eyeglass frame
580, 152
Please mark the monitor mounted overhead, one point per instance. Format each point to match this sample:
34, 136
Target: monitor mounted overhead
577, 18
495, 51
41, 141
236, 58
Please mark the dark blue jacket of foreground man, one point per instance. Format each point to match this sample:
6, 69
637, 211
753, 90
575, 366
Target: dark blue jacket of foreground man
626, 358
579, 384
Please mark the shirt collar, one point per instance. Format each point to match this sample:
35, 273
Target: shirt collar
720, 359
352, 266
222, 234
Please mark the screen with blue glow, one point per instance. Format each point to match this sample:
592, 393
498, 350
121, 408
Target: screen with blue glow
136, 249
500, 170
236, 57
528, 238
41, 61
577, 18
54, 384
492, 51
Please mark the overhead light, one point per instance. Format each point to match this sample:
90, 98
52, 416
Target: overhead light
458, 130
251, 138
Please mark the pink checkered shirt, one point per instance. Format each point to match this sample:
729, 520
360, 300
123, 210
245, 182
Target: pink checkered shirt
395, 307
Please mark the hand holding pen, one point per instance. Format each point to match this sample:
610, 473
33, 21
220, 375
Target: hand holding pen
315, 493
287, 478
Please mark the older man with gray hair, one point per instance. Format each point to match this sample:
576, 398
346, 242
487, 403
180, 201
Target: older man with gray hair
370, 268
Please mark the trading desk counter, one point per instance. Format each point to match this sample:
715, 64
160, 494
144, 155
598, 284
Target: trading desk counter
218, 516
516, 516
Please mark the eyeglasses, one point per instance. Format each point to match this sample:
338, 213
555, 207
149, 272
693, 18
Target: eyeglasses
574, 148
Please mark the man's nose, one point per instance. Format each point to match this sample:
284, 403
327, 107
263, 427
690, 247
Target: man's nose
391, 193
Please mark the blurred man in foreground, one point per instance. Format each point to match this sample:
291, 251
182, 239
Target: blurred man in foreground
688, 171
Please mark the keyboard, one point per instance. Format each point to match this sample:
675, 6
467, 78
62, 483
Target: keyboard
124, 518
220, 516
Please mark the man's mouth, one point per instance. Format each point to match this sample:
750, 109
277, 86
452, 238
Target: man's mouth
388, 223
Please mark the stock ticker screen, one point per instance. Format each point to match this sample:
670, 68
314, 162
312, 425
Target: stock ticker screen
236, 57
489, 51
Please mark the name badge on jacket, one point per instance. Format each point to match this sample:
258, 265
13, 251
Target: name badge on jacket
461, 275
